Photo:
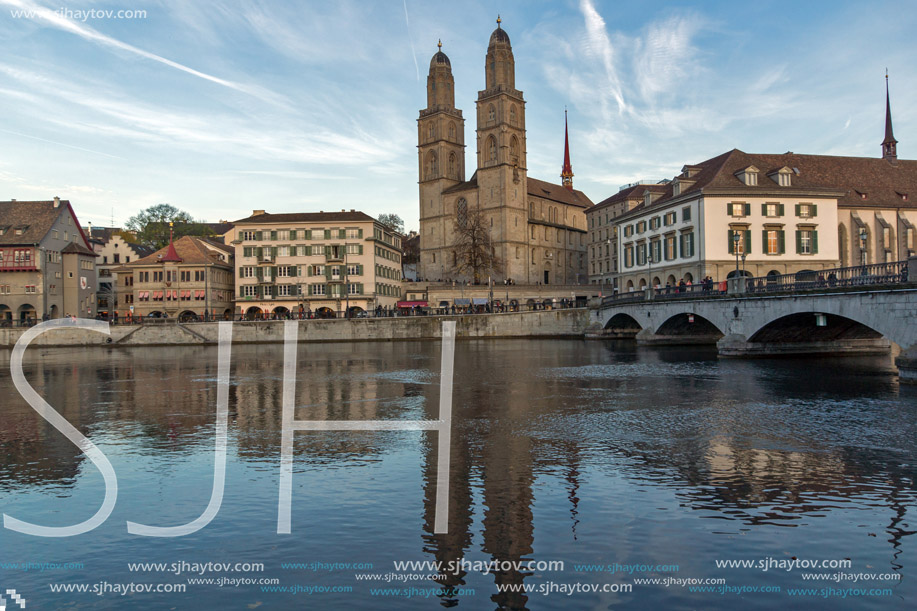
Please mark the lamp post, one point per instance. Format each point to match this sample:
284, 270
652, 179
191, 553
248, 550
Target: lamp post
649, 265
863, 236
743, 268
735, 248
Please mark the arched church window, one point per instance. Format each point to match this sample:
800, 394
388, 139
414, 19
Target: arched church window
514, 149
492, 148
531, 210
491, 113
461, 213
431, 131
431, 165
452, 131
512, 113
452, 172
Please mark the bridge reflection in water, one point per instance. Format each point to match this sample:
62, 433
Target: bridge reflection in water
586, 453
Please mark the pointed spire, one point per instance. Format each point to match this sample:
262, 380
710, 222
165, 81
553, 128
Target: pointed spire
889, 151
171, 255
499, 21
566, 173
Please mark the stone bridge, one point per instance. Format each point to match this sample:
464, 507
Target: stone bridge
862, 321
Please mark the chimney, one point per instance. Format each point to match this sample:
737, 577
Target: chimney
56, 202
352, 210
257, 212
13, 200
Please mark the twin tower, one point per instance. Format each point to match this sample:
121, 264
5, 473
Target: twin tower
499, 187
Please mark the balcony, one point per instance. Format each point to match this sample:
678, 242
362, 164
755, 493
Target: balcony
266, 259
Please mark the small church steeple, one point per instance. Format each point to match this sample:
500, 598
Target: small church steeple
566, 172
889, 148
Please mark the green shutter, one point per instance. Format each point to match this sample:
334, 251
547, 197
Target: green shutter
307, 234
781, 241
360, 289
763, 209
360, 250
797, 211
327, 250
273, 235
780, 210
729, 238
327, 234
293, 271
798, 238
359, 233
309, 271
764, 242
342, 233
747, 209
747, 240
240, 273
814, 209
814, 242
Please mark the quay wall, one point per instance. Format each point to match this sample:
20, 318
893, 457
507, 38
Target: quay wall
539, 324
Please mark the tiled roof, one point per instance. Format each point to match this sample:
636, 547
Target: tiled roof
884, 184
219, 228
307, 217
192, 251
471, 183
34, 218
629, 193
73, 247
558, 193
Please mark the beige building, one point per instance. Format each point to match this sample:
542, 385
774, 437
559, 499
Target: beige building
602, 254
47, 268
317, 264
189, 279
538, 229
114, 251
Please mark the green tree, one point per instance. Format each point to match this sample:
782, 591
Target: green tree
392, 221
152, 225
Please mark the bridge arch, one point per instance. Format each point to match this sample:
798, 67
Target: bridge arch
622, 321
813, 327
689, 324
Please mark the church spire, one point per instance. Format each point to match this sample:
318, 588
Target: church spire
889, 151
566, 172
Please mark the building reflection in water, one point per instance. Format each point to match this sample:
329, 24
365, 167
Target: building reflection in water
523, 412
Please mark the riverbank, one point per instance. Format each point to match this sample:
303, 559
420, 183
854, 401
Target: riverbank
539, 324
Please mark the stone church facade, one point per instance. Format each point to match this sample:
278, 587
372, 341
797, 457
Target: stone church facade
538, 229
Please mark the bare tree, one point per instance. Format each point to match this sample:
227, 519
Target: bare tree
475, 255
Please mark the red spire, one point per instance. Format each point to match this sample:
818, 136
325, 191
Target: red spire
566, 173
171, 254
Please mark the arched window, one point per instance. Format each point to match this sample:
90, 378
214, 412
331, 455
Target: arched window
452, 172
431, 164
492, 148
461, 212
451, 131
491, 113
514, 149
531, 210
512, 113
431, 131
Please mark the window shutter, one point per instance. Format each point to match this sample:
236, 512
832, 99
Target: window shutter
309, 271
763, 209
747, 233
764, 241
360, 289
258, 252
273, 235
814, 242
327, 234
780, 210
798, 238
781, 241
814, 209
797, 211
729, 238
359, 233
361, 249
241, 272
342, 233
747, 209
307, 234
293, 271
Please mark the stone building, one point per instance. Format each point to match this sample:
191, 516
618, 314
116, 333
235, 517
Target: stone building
765, 215
191, 278
47, 268
537, 229
317, 263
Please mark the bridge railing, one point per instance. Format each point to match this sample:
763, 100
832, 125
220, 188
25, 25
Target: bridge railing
841, 277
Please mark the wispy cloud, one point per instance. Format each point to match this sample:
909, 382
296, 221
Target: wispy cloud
407, 25
598, 45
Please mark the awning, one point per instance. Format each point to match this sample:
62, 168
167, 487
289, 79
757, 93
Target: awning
462, 301
412, 304
479, 301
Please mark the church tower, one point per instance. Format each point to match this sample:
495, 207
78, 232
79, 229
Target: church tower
566, 172
441, 158
889, 145
501, 155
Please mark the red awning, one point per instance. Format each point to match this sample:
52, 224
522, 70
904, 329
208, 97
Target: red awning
411, 304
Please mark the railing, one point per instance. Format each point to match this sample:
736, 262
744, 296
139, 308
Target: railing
842, 277
878, 274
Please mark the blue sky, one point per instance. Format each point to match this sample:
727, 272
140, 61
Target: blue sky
219, 108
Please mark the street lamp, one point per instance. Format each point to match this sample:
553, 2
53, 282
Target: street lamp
735, 248
863, 236
649, 268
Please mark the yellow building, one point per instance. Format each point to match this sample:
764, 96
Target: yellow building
538, 229
320, 264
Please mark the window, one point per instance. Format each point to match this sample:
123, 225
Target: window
772, 209
30, 288
248, 236
743, 244
773, 241
641, 254
687, 245
739, 209
628, 256
656, 251
316, 289
671, 250
686, 214
670, 218
492, 148
283, 290
512, 113
461, 213
806, 210
655, 222
783, 179
807, 242
491, 113
641, 226
283, 235
628, 231
249, 290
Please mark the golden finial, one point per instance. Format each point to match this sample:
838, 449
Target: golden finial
499, 21
440, 44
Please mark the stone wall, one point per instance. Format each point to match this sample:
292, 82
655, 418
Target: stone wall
551, 323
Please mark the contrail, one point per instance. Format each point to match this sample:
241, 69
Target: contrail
79, 148
407, 25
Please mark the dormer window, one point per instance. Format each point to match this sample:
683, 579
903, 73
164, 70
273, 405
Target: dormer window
647, 198
782, 177
748, 176
676, 188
